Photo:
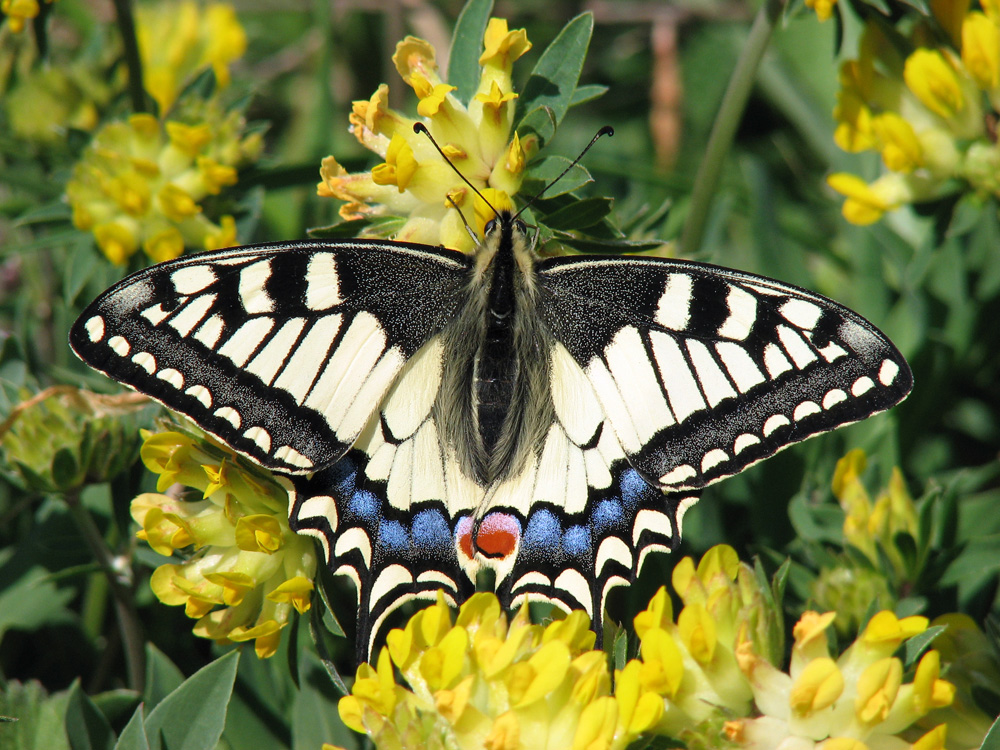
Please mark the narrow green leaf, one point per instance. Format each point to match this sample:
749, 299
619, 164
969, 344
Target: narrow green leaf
65, 469
86, 726
579, 214
992, 739
587, 93
621, 649
467, 46
918, 644
548, 169
314, 713
192, 716
541, 121
162, 677
553, 81
133, 736
317, 628
611, 247
54, 211
382, 226
33, 720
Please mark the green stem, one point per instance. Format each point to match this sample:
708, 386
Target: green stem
125, 612
730, 112
126, 27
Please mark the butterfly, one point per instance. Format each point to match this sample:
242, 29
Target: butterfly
434, 413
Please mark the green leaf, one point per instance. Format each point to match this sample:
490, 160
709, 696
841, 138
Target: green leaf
32, 601
258, 712
317, 629
579, 214
918, 644
65, 469
621, 649
86, 726
541, 121
553, 81
466, 47
610, 246
548, 169
192, 716
54, 211
382, 226
38, 720
992, 739
133, 736
587, 93
314, 713
162, 677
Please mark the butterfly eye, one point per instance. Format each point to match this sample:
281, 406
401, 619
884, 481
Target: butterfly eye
490, 226
520, 227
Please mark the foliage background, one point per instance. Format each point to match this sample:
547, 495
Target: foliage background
930, 278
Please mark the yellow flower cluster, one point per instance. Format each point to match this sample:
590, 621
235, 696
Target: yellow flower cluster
19, 12
414, 181
140, 183
484, 683
178, 40
249, 570
46, 101
868, 525
923, 109
857, 702
708, 679
874, 528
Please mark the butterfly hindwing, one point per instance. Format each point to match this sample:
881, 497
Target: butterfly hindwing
703, 371
387, 514
281, 351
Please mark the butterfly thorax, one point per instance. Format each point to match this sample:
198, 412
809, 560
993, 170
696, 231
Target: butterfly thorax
494, 403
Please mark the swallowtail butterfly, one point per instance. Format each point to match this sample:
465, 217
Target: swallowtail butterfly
433, 412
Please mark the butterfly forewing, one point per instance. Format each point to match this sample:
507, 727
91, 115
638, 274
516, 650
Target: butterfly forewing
281, 351
703, 371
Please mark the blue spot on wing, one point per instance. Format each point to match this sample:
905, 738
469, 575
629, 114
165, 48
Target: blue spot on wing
576, 542
363, 506
393, 537
431, 531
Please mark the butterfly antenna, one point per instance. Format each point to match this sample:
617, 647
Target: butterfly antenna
419, 127
606, 130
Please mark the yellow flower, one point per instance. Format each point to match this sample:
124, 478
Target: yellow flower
19, 12
918, 100
141, 183
859, 700
981, 50
247, 570
485, 682
866, 203
901, 149
938, 79
413, 180
178, 40
823, 8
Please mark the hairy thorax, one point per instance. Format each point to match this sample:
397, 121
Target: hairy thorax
494, 404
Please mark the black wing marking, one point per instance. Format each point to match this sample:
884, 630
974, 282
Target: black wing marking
282, 351
703, 371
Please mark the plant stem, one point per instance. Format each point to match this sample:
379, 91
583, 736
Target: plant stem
126, 27
730, 112
125, 612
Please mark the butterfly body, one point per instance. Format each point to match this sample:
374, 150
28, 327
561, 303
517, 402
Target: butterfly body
434, 413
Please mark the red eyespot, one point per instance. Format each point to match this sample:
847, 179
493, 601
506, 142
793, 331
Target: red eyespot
463, 536
497, 535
